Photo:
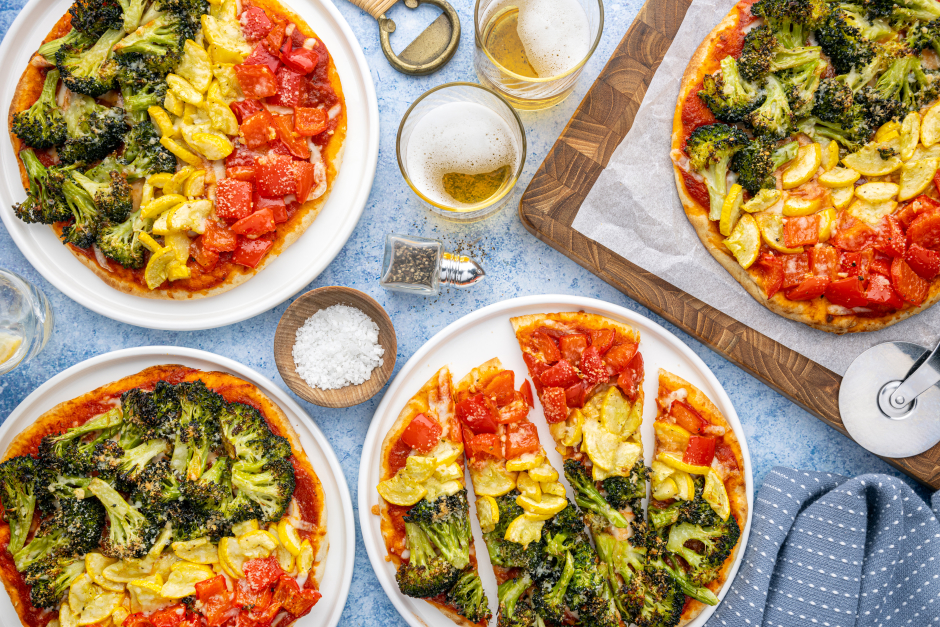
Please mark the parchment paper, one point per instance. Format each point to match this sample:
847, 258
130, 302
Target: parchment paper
634, 210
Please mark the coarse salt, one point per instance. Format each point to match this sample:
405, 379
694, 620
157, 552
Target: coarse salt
336, 347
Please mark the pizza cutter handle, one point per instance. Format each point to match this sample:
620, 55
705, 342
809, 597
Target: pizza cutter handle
919, 381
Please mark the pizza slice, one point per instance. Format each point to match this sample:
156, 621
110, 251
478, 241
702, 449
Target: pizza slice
424, 510
542, 558
699, 500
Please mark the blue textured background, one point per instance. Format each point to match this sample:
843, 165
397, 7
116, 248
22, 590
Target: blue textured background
778, 431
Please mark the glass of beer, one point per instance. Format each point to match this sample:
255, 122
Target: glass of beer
461, 148
532, 51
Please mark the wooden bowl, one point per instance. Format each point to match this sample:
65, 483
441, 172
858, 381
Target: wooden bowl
294, 318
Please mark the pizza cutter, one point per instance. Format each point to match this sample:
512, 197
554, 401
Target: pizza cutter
890, 399
430, 50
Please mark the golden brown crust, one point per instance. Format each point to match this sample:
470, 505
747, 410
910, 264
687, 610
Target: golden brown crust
28, 89
734, 480
813, 313
528, 324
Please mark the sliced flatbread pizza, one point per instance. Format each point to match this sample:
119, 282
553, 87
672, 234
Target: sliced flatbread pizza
424, 510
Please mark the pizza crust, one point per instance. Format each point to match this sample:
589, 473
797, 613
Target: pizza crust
28, 89
812, 313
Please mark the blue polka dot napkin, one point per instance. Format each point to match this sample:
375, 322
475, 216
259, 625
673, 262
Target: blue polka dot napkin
837, 552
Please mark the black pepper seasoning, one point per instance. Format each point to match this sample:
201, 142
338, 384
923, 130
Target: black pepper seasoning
420, 265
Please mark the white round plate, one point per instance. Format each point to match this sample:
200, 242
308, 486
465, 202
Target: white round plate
485, 334
97, 371
293, 269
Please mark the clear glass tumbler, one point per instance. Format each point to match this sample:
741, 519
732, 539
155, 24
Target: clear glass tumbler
532, 51
461, 148
26, 321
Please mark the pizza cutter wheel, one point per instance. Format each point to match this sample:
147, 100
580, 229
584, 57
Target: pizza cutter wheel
890, 399
430, 50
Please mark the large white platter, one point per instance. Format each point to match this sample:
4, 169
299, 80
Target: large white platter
485, 334
97, 371
296, 267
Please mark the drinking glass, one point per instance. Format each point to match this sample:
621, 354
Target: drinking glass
26, 321
500, 58
477, 99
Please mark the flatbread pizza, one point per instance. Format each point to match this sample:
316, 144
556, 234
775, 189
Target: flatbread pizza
179, 146
169, 484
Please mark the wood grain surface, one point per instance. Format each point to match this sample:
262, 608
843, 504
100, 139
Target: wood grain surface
550, 203
294, 318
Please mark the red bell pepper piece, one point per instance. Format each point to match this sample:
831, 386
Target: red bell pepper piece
250, 252
422, 433
310, 120
700, 451
257, 81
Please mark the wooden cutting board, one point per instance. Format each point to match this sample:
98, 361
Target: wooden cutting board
554, 196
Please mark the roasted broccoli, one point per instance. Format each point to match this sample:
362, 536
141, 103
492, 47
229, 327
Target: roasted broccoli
94, 130
130, 533
504, 552
710, 149
425, 575
19, 495
622, 492
906, 81
792, 20
94, 17
713, 544
773, 119
924, 35
833, 101
112, 195
757, 50
90, 70
549, 597
244, 432
870, 26
587, 496
74, 529
156, 46
62, 451
124, 466
44, 200
157, 488
121, 241
728, 95
625, 563
144, 154
270, 485
844, 43
903, 12
87, 219
133, 10
140, 90
468, 597
49, 579
446, 521
198, 425
801, 84
73, 38
42, 125
515, 611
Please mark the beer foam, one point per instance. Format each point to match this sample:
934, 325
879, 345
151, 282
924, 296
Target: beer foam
554, 33
462, 137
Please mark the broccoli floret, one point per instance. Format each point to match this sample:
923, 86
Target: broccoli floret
157, 487
713, 545
271, 485
871, 27
468, 597
710, 149
549, 598
446, 521
140, 90
754, 166
875, 110
84, 230
587, 496
663, 599
213, 488
622, 492
624, 563
42, 125
49, 579
568, 521
125, 465
94, 131
904, 12
728, 95
514, 611
152, 415
94, 17
157, 45
844, 43
425, 575
61, 451
133, 10
757, 50
906, 81
244, 432
851, 136
19, 495
792, 58
833, 101
74, 529
73, 38
121, 242
801, 84
112, 196
44, 200
130, 533
773, 119
587, 590
923, 35
792, 20
90, 70
198, 425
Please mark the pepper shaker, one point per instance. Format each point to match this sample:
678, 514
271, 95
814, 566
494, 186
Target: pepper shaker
420, 266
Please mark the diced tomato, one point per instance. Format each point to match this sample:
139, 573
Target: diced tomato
801, 231
297, 145
555, 405
206, 258
546, 347
880, 264
526, 390
514, 411
137, 620
848, 292
926, 263
239, 173
218, 237
477, 413
169, 617
687, 418
286, 589
274, 176
795, 269
295, 601
258, 223
255, 23
915, 208
310, 121
574, 395
215, 598
233, 200
592, 366
824, 261
292, 208
925, 231
911, 287
856, 264
771, 269
248, 598
257, 130
630, 377
194, 619
891, 240
275, 38
572, 345
484, 444
305, 177
521, 438
536, 368
851, 234
602, 339
289, 86
262, 573
725, 455
277, 147
620, 355
276, 205
422, 433
300, 60
250, 252
244, 109
501, 388
561, 375
240, 164
811, 287
262, 56
257, 81
882, 294
700, 451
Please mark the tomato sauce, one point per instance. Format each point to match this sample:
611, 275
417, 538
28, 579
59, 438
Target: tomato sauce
398, 456
696, 188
